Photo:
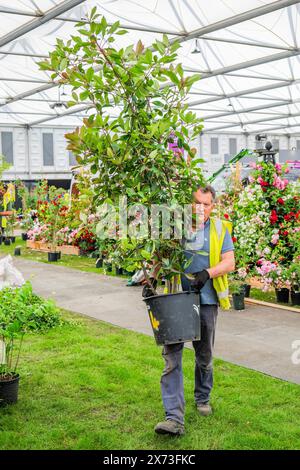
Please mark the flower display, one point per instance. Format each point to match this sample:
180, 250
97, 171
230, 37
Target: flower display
266, 225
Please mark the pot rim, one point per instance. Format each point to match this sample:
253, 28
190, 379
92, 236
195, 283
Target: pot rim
167, 295
15, 376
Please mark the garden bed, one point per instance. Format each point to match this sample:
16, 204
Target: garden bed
64, 249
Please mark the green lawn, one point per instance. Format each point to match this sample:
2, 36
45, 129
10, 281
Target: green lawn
95, 386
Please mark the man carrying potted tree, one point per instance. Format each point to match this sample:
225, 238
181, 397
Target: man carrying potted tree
209, 268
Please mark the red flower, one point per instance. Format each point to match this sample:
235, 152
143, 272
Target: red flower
234, 239
273, 217
285, 233
226, 216
280, 200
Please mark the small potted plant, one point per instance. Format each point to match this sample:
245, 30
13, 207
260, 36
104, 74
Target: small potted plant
282, 283
294, 272
21, 311
17, 251
53, 227
11, 334
237, 290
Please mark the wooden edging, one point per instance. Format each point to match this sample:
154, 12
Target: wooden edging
269, 304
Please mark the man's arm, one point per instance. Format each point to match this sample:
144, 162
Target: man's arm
226, 265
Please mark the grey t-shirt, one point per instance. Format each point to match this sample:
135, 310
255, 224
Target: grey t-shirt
200, 241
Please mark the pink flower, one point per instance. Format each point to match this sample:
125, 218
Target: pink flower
280, 183
266, 267
278, 167
275, 238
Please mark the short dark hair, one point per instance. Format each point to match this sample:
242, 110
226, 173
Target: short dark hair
208, 189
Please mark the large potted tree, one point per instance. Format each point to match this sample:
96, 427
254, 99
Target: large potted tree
138, 99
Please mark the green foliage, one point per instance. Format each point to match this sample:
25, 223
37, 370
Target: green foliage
138, 97
3, 165
22, 311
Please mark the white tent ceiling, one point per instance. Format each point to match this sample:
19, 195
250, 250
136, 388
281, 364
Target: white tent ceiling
249, 57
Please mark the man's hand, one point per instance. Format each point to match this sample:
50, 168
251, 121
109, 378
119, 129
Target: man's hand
147, 291
200, 279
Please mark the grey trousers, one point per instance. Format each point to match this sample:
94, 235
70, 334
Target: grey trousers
172, 378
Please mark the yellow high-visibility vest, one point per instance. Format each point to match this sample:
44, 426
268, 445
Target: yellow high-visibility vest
216, 238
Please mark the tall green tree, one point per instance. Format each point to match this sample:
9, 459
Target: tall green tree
138, 100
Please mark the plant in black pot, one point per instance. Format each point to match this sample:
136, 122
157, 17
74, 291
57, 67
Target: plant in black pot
294, 274
237, 290
57, 201
281, 282
21, 311
136, 155
11, 334
17, 251
10, 226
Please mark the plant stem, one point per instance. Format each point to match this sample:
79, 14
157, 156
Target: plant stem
19, 351
148, 279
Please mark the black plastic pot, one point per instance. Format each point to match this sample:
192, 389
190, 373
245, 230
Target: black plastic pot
13, 239
282, 295
53, 256
295, 297
247, 288
175, 318
7, 241
17, 252
99, 263
24, 236
238, 301
9, 390
119, 271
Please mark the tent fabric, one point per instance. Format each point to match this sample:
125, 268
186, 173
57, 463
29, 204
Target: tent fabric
250, 69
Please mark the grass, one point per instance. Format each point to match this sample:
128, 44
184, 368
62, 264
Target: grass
96, 386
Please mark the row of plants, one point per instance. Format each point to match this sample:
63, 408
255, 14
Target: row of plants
266, 231
53, 217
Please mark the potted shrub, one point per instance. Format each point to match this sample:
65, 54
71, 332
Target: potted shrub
294, 273
17, 251
282, 284
54, 215
129, 154
21, 311
237, 290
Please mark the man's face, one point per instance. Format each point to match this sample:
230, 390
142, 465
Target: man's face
203, 203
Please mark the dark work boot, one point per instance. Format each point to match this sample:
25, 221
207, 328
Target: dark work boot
204, 409
169, 426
